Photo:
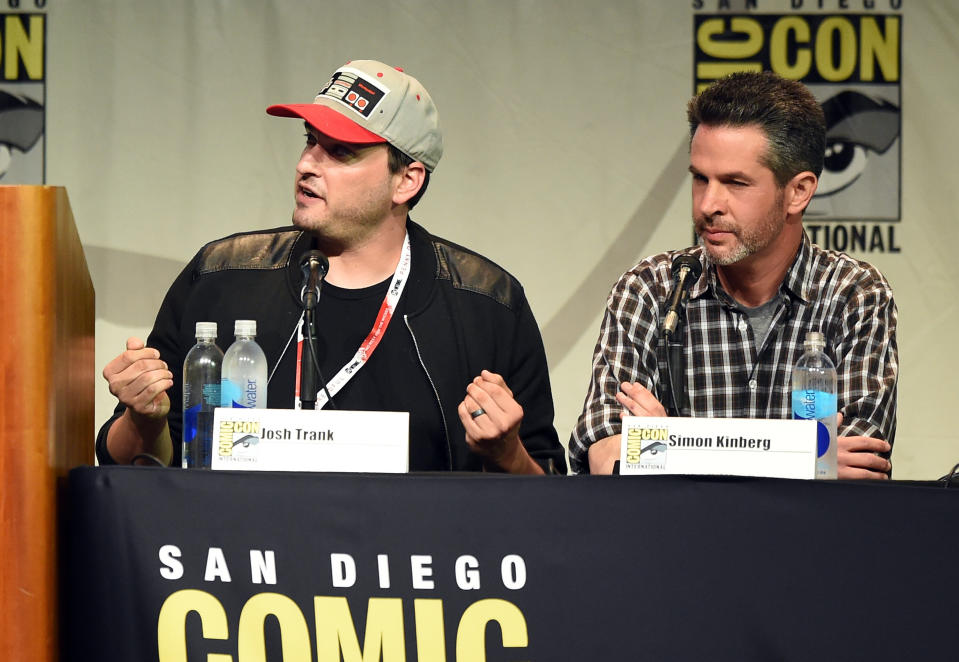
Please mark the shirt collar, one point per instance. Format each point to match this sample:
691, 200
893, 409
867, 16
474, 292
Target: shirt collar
703, 284
797, 282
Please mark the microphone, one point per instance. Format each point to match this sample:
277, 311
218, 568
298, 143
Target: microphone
686, 270
314, 266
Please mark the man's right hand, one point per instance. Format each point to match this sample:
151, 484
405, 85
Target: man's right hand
636, 400
140, 379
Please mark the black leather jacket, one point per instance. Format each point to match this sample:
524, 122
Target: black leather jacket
467, 314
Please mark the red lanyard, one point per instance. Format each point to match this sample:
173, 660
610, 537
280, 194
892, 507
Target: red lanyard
369, 345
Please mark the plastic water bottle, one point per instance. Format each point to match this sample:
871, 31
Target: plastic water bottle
201, 395
244, 370
814, 397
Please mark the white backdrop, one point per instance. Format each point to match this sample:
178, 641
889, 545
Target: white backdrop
565, 152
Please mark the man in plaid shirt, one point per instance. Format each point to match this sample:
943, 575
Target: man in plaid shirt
757, 144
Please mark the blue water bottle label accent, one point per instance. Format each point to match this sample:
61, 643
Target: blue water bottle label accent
822, 439
232, 395
815, 405
190, 423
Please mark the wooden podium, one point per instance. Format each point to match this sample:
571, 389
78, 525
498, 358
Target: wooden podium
46, 406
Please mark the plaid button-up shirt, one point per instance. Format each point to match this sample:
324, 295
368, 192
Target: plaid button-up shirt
849, 301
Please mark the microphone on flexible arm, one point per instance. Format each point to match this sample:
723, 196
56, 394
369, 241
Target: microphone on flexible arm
686, 271
314, 266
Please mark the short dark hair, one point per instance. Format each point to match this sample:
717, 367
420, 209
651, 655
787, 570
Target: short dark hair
397, 161
785, 110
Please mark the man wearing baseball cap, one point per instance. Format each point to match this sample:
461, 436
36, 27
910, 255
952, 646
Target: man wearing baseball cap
406, 321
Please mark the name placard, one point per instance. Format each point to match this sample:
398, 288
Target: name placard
719, 446
298, 440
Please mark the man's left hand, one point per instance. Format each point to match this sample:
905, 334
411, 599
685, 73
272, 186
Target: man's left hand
494, 433
858, 457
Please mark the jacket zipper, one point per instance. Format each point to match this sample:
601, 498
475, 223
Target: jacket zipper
446, 430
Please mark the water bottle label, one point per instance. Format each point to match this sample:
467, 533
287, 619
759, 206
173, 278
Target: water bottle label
237, 397
211, 394
250, 393
813, 404
229, 394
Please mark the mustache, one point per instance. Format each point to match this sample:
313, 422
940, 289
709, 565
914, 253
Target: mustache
702, 224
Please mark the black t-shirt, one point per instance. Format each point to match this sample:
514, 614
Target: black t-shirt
392, 379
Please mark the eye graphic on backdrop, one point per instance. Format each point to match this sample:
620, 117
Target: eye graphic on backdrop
21, 125
844, 162
856, 127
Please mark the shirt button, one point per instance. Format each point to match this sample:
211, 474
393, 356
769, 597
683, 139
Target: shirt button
752, 384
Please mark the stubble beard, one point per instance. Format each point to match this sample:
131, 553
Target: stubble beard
750, 241
346, 227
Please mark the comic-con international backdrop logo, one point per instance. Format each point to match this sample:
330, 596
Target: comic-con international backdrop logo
851, 62
22, 97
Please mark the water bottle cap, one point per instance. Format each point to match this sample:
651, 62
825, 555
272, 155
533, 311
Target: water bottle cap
815, 340
206, 330
244, 328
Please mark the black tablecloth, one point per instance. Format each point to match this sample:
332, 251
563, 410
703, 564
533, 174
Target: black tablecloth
596, 568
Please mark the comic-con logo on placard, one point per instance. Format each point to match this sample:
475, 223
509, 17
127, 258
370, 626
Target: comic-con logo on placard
22, 97
646, 447
852, 63
238, 438
355, 91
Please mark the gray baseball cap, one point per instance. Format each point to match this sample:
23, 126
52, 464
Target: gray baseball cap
369, 102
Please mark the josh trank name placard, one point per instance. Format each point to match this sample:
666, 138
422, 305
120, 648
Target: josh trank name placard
719, 446
300, 440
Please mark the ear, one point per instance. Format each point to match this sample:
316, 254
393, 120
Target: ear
407, 182
799, 192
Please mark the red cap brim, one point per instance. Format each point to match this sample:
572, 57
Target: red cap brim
328, 122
